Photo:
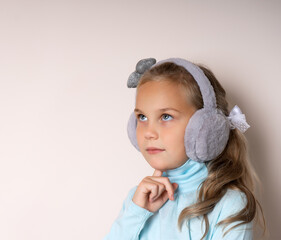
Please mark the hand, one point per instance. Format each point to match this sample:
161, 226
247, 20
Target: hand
153, 191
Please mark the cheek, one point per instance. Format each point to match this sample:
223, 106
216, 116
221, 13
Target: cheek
174, 136
177, 137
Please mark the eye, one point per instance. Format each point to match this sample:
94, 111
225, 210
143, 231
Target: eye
139, 117
166, 117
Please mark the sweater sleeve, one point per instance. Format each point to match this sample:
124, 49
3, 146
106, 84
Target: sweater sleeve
231, 204
130, 221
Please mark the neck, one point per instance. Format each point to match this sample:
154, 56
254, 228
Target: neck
188, 176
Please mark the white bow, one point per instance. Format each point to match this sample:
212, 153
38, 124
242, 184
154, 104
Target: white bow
237, 119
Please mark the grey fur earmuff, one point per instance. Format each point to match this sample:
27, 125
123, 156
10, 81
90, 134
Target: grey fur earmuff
207, 131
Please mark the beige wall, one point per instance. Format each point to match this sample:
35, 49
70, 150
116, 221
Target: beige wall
66, 163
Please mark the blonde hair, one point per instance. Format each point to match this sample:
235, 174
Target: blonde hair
230, 170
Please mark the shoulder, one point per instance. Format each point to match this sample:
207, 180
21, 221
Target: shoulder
230, 193
231, 203
235, 197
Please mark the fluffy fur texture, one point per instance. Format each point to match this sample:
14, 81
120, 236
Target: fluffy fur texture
206, 135
131, 130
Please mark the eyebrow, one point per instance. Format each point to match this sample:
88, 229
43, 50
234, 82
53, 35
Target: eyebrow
160, 110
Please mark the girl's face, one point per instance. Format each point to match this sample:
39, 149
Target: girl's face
162, 113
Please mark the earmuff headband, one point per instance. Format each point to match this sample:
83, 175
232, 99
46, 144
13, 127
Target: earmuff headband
207, 131
204, 84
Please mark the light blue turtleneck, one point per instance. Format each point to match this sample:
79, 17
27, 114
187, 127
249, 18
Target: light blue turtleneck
188, 176
135, 222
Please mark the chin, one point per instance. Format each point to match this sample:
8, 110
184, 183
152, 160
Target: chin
157, 165
156, 161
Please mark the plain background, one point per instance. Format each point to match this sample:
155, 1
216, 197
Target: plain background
66, 163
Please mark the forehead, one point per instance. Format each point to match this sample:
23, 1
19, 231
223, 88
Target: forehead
161, 94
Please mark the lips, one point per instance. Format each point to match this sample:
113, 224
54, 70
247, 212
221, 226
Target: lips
153, 150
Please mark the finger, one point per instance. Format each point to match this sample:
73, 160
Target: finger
154, 191
157, 173
168, 185
154, 188
150, 187
162, 194
161, 189
164, 197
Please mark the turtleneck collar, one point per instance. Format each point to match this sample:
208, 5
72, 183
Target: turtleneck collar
188, 176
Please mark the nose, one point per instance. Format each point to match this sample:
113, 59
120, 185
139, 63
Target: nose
151, 132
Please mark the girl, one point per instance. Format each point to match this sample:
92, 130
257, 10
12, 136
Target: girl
203, 183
